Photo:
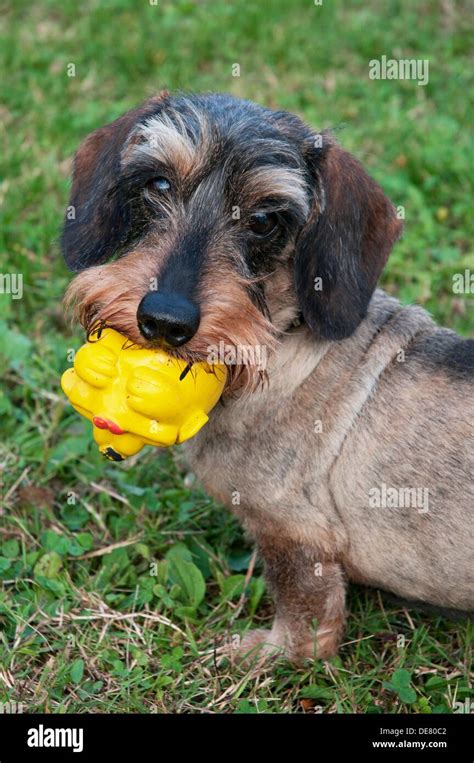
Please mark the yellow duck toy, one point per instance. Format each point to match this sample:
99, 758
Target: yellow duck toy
136, 397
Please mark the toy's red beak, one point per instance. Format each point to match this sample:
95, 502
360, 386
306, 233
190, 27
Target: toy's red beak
101, 423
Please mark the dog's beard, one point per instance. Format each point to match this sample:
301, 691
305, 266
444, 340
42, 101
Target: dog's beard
233, 329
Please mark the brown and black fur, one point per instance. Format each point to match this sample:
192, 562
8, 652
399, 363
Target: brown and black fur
359, 391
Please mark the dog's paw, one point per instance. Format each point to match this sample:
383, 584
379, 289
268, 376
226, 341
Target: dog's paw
259, 644
328, 638
262, 646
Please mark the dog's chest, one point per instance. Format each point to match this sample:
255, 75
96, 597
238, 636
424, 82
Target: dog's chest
265, 468
257, 458
261, 456
254, 466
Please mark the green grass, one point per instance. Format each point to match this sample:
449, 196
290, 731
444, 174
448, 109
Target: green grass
84, 625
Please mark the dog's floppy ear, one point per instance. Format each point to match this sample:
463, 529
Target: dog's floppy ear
343, 247
98, 220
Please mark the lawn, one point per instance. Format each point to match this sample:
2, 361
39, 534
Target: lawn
120, 582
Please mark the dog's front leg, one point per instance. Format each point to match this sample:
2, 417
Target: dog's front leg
309, 595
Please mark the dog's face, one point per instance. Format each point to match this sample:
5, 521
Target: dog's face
200, 220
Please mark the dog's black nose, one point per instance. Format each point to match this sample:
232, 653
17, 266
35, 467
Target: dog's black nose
167, 318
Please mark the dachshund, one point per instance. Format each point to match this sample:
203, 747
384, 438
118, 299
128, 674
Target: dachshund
343, 442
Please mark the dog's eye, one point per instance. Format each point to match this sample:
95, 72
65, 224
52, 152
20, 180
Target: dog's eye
263, 223
160, 185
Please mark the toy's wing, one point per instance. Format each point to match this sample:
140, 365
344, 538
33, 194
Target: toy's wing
151, 393
192, 425
96, 364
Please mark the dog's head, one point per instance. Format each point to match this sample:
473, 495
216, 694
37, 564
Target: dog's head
204, 220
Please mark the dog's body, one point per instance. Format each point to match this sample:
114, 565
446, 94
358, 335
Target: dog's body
354, 458
299, 461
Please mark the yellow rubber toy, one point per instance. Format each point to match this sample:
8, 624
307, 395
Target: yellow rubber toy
136, 397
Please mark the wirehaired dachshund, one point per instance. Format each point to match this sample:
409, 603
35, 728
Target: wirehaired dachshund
344, 441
